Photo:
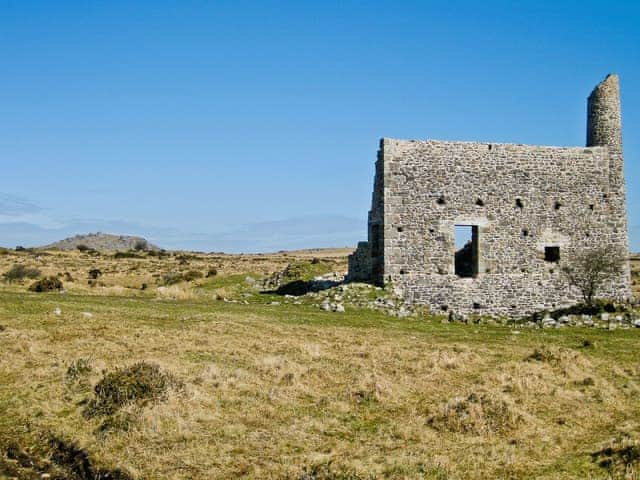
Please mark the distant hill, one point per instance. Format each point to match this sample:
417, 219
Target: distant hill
103, 242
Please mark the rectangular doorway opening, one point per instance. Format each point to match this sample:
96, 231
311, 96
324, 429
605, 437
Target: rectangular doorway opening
467, 255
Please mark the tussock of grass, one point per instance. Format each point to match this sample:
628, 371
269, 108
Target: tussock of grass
176, 292
556, 356
482, 413
543, 354
78, 369
121, 421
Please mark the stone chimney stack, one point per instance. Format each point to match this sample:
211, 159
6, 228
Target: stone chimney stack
604, 121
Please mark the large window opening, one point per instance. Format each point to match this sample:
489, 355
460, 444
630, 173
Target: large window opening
466, 256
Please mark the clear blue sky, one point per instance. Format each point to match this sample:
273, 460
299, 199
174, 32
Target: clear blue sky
253, 126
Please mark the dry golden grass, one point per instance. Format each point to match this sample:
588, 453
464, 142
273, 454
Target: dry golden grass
275, 391
176, 292
127, 276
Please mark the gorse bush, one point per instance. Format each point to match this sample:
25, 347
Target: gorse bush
20, 272
94, 273
140, 383
47, 284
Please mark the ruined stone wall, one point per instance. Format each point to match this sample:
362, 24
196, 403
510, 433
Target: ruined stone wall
360, 264
521, 198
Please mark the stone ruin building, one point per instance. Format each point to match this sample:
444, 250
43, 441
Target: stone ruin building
527, 208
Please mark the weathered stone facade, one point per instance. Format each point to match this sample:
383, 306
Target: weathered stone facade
526, 205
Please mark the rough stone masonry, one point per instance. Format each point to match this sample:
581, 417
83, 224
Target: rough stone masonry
529, 208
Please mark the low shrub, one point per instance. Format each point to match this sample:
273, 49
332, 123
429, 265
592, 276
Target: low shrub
47, 284
82, 247
191, 275
172, 278
140, 383
20, 272
129, 254
588, 343
212, 272
94, 273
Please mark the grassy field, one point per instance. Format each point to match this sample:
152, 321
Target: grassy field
260, 390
